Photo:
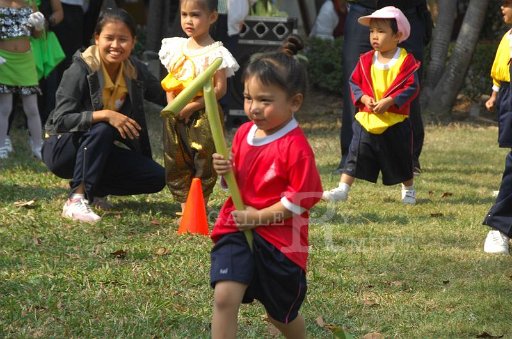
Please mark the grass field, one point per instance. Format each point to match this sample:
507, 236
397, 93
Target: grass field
375, 265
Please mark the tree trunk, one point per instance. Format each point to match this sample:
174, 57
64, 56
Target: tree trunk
452, 79
155, 24
441, 36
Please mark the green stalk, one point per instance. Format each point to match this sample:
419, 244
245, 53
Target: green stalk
210, 102
205, 80
191, 91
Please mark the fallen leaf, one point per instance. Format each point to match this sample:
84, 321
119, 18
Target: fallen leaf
487, 335
155, 222
373, 335
370, 303
446, 194
436, 215
25, 203
450, 310
340, 333
162, 251
320, 321
37, 241
120, 254
396, 283
336, 330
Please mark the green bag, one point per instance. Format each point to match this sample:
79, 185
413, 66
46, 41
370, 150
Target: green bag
48, 53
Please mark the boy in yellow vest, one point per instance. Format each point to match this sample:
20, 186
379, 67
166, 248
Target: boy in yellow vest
383, 85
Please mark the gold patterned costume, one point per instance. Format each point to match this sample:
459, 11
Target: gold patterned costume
188, 146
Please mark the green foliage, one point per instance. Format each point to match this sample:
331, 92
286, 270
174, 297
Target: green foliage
324, 67
493, 27
267, 8
478, 78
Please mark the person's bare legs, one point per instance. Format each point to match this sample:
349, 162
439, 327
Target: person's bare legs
295, 329
227, 297
80, 189
347, 179
408, 183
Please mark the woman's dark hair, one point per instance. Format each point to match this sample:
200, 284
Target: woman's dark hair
210, 5
280, 68
115, 14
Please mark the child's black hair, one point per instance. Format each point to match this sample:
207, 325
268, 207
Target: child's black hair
280, 68
115, 14
210, 5
390, 22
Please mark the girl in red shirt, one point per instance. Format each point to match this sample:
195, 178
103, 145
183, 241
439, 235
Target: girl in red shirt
279, 182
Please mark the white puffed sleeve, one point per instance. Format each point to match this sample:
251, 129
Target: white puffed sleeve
171, 51
229, 63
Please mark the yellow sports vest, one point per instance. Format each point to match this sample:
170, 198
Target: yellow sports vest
500, 67
382, 77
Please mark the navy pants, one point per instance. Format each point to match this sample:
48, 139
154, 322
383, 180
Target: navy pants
500, 215
104, 168
356, 42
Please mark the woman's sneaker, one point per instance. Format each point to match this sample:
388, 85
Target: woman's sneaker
78, 209
496, 242
409, 196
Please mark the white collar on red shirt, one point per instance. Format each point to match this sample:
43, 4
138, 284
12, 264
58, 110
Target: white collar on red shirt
254, 141
390, 63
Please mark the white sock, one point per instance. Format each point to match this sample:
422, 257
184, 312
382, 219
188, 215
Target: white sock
344, 187
77, 196
408, 188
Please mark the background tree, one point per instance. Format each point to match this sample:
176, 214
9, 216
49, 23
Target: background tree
160, 23
445, 90
441, 36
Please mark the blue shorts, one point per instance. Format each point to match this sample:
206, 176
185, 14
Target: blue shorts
389, 153
273, 279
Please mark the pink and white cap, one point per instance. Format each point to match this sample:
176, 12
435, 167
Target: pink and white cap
389, 12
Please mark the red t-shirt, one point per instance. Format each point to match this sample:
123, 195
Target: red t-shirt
279, 167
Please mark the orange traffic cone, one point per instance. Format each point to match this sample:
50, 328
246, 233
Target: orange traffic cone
194, 217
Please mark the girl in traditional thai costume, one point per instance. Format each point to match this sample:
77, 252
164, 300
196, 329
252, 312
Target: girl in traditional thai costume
188, 141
